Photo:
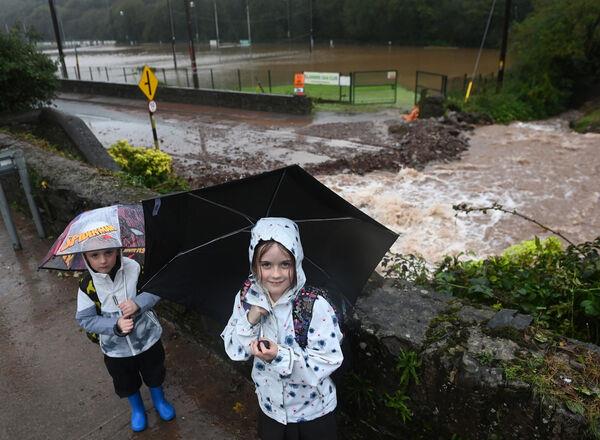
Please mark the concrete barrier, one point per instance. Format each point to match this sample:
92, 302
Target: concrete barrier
68, 132
300, 105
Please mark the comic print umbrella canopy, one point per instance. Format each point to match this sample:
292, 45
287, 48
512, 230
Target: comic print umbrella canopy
120, 226
197, 241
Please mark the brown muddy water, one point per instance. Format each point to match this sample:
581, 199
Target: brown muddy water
542, 169
282, 61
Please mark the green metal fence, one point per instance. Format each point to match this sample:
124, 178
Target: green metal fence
364, 87
374, 87
432, 83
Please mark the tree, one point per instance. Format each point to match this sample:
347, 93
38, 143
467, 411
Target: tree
26, 76
557, 51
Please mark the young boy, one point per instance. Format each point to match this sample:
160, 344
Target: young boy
127, 328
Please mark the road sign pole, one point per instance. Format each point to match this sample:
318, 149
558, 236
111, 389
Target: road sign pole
154, 135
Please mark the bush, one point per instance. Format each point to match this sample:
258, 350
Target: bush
26, 76
149, 167
590, 122
502, 107
560, 288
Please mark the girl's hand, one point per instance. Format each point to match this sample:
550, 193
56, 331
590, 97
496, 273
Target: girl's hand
125, 324
128, 308
260, 350
255, 314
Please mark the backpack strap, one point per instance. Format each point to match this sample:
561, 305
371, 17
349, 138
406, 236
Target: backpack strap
243, 292
302, 311
302, 308
86, 285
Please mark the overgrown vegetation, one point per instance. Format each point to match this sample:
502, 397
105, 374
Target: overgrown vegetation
148, 167
559, 287
566, 374
407, 369
26, 75
589, 122
555, 55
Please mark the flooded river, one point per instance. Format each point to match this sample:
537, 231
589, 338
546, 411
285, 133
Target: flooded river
281, 60
541, 169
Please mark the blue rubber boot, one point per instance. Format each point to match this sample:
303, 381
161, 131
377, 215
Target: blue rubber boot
165, 409
138, 412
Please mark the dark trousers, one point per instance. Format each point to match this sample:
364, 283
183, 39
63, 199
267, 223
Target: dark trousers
322, 428
126, 371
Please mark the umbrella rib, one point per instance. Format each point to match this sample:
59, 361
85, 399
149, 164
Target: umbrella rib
325, 219
235, 211
275, 193
194, 249
317, 266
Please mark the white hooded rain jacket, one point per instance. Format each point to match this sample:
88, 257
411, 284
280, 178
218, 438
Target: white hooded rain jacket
295, 386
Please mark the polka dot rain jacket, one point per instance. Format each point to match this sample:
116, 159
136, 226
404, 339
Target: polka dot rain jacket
295, 386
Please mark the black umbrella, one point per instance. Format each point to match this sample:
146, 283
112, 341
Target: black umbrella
197, 241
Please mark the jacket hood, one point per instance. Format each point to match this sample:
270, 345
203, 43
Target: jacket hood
102, 276
285, 232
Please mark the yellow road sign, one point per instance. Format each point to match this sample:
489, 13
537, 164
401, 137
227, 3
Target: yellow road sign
148, 83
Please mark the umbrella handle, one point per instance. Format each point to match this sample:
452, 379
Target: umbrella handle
117, 304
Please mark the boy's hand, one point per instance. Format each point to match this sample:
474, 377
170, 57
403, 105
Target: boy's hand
260, 350
128, 308
125, 324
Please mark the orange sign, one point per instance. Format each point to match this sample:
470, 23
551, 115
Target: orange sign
299, 83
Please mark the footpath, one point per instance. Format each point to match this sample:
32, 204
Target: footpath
53, 381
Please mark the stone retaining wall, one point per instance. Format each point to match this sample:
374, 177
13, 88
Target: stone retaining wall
300, 105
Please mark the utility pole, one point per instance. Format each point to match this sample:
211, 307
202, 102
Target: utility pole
122, 14
216, 22
191, 44
312, 41
289, 32
61, 56
172, 35
248, 20
502, 61
195, 8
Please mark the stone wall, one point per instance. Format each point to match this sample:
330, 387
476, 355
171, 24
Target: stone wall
300, 105
461, 387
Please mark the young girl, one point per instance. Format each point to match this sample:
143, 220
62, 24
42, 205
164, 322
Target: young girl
295, 393
127, 328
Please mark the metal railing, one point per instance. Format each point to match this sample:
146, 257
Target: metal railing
367, 87
432, 83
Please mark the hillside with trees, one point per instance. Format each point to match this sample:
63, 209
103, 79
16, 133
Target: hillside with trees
405, 22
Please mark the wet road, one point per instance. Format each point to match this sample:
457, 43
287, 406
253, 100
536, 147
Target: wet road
53, 381
211, 136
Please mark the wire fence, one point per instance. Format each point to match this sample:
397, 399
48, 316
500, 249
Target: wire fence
365, 87
481, 83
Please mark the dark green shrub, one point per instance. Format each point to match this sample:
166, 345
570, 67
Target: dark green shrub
560, 288
26, 76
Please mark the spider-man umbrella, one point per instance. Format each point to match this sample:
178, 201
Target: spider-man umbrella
197, 241
117, 226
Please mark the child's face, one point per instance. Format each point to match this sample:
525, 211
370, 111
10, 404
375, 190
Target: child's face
276, 270
102, 261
